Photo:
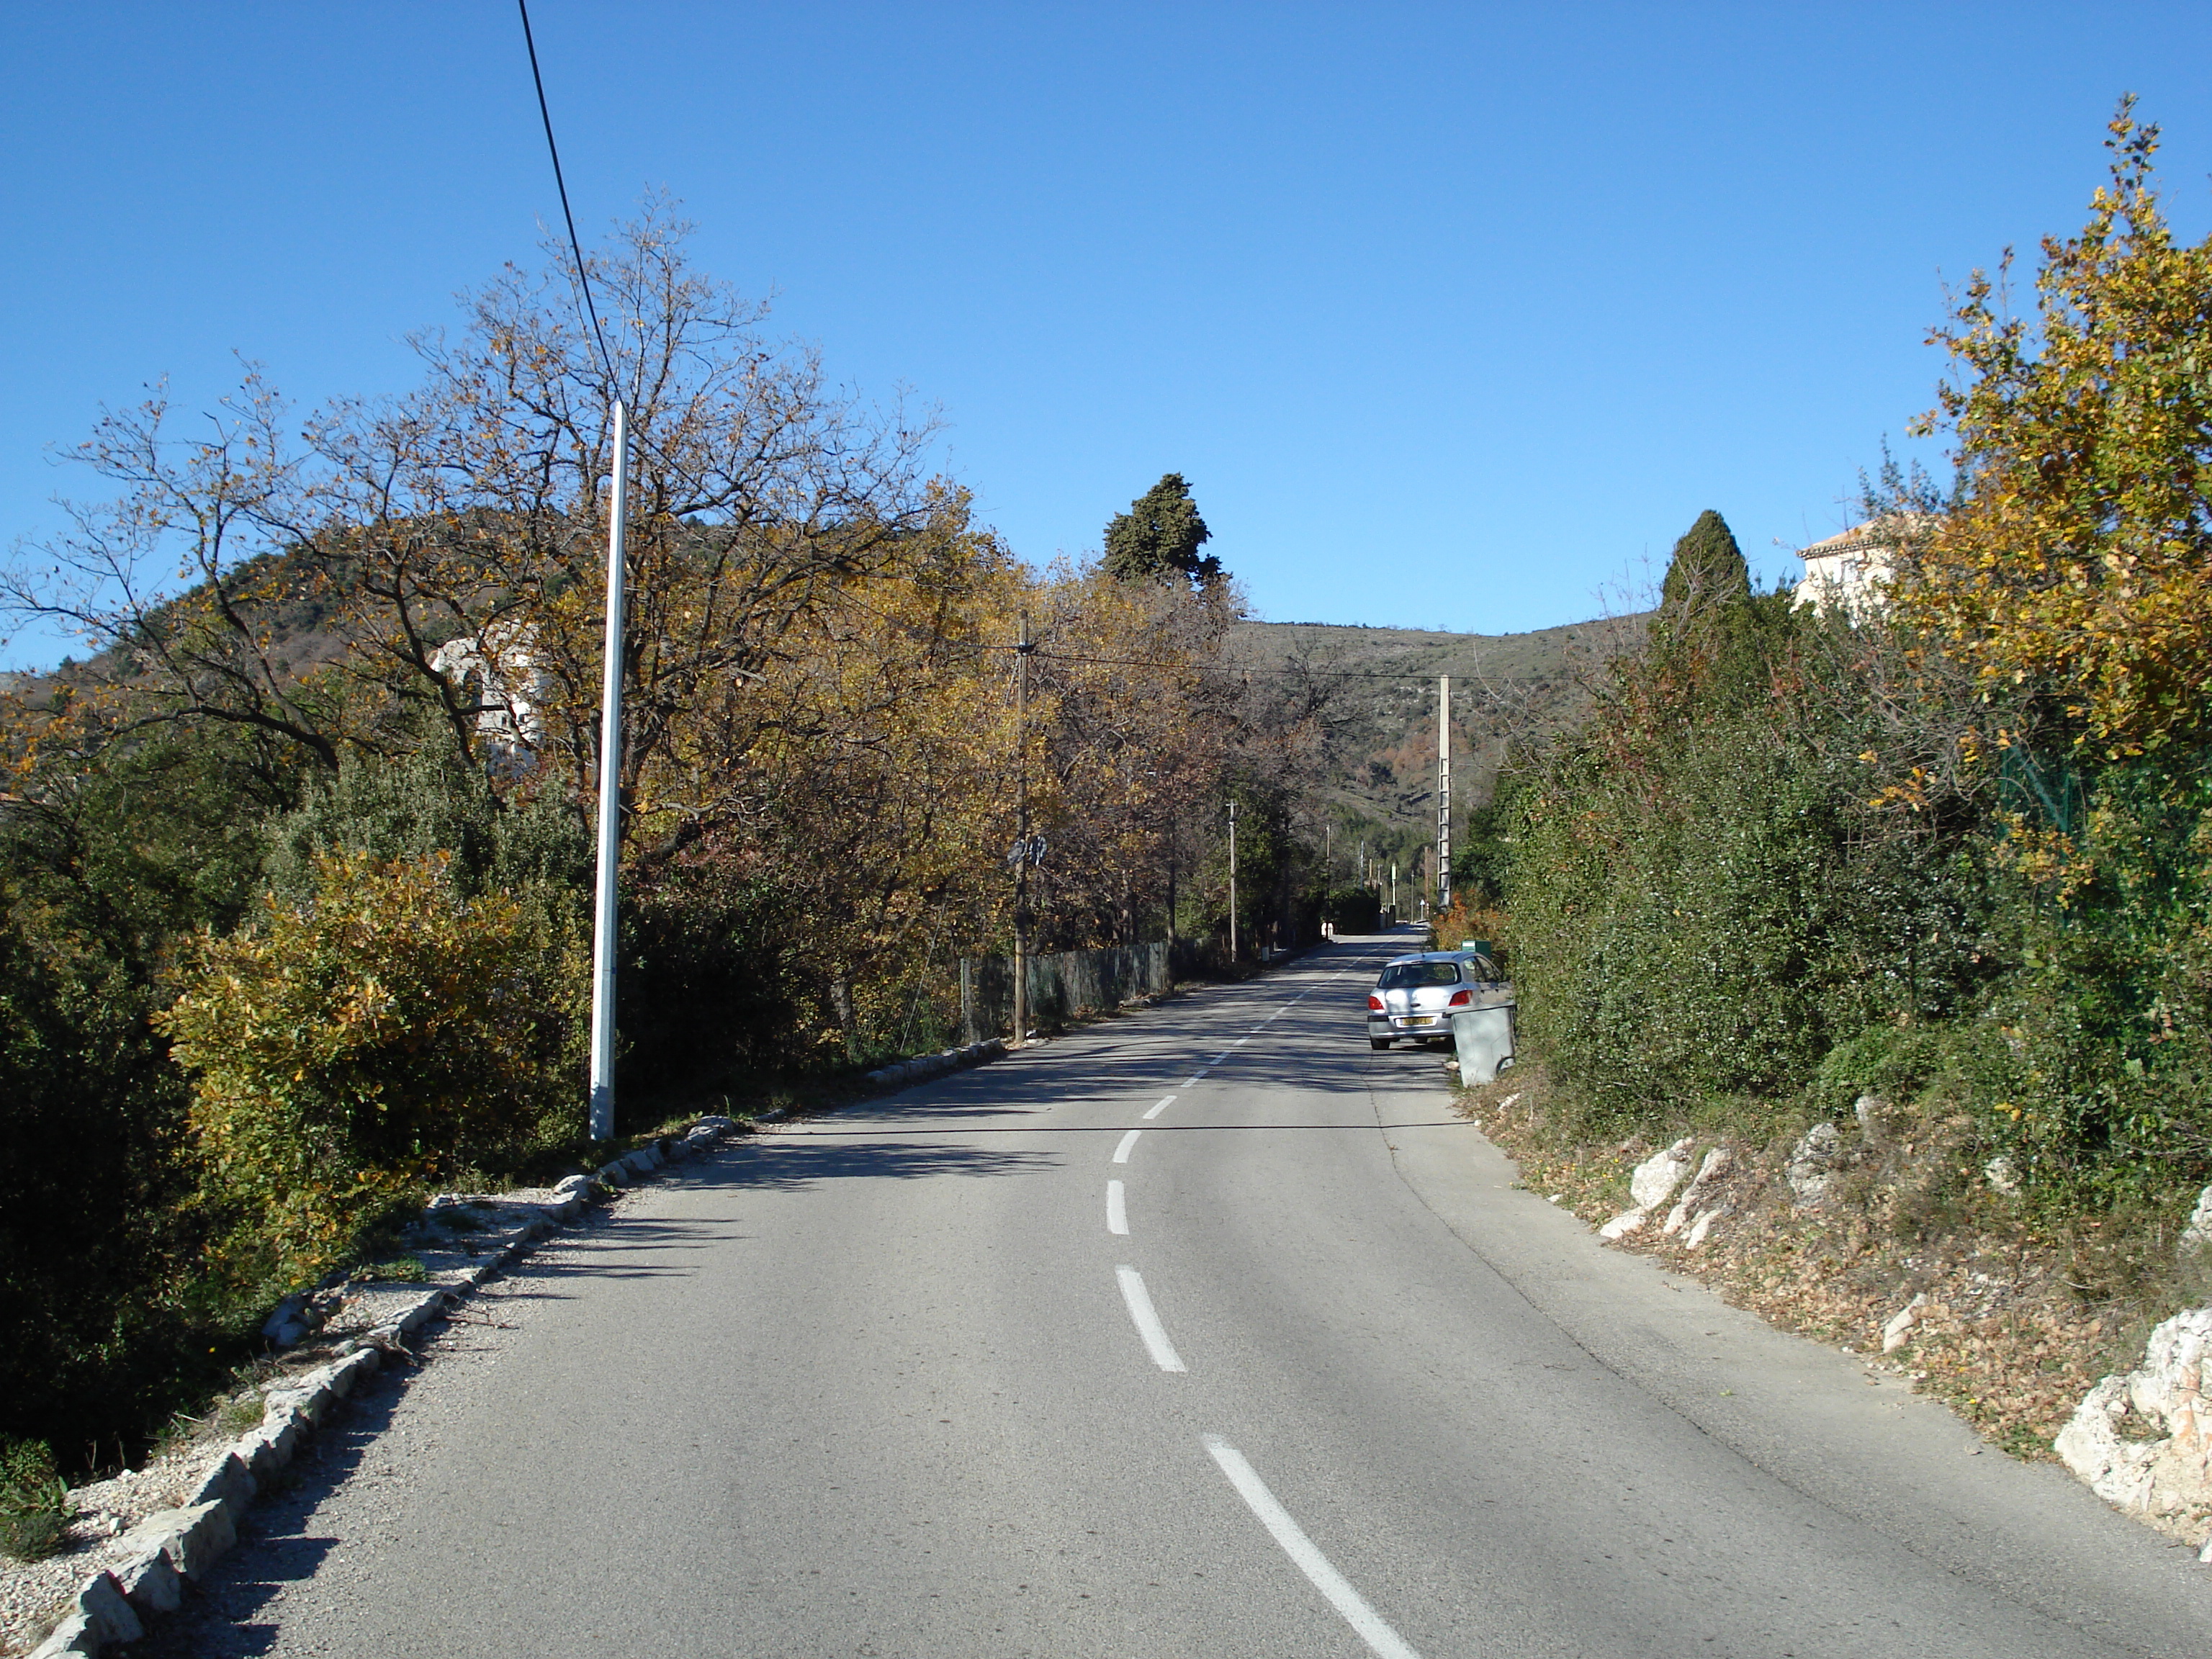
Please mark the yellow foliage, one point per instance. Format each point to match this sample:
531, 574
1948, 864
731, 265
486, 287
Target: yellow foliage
2079, 555
367, 1042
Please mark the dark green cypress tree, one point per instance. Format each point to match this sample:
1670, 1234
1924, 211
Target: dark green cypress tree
1708, 568
1713, 637
1159, 536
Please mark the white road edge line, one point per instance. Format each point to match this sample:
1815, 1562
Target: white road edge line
1117, 1211
1348, 1601
1157, 1110
1129, 1144
1148, 1319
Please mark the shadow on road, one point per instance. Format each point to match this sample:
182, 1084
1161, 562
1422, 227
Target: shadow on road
781, 1162
1367, 1124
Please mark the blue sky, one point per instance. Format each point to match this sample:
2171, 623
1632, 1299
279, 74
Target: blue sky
1451, 314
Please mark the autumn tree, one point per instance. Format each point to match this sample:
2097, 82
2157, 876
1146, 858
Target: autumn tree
2077, 555
324, 576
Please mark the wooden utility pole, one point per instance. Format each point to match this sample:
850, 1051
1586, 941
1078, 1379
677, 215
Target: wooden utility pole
1443, 792
1022, 833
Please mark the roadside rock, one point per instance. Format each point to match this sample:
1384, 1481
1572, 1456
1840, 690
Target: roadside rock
1811, 1165
1622, 1225
1650, 1185
1693, 1203
2003, 1175
293, 1320
1898, 1330
1868, 1110
2198, 1232
1657, 1177
2143, 1441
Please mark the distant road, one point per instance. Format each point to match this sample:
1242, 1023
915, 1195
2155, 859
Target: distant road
1206, 1331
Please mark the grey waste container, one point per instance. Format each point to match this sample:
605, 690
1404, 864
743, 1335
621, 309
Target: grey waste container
1484, 1038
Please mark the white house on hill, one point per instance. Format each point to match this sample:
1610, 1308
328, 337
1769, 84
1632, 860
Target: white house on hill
1850, 569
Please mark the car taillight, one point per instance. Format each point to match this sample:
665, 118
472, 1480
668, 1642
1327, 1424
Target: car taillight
1460, 1000
1375, 1002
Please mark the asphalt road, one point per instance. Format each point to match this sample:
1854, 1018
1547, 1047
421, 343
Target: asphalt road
1291, 1369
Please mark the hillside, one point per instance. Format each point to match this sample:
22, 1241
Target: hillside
1377, 690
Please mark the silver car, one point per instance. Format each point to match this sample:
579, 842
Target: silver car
1414, 997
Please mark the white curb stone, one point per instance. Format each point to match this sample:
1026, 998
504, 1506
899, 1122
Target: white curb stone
109, 1613
150, 1584
193, 1539
424, 1309
229, 1483
72, 1637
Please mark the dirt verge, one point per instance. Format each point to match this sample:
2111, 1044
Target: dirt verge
1890, 1245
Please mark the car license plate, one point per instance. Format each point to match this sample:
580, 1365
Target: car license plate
1420, 1019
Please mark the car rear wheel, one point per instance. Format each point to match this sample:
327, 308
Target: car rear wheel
1378, 1043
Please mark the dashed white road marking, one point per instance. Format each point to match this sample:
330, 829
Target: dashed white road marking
1117, 1210
1148, 1320
1240, 1042
1194, 1076
1128, 1144
1157, 1110
1371, 1626
1223, 1055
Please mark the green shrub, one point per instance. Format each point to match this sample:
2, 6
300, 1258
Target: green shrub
1703, 900
381, 1035
34, 1501
1957, 1064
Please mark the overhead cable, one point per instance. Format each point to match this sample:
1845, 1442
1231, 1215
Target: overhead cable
560, 183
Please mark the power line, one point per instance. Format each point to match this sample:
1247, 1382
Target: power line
560, 183
1042, 654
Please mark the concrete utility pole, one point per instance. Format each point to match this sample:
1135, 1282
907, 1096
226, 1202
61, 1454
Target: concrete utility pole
1443, 792
1232, 880
1022, 833
604, 938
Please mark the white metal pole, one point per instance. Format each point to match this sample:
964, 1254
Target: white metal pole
1232, 880
1022, 835
611, 690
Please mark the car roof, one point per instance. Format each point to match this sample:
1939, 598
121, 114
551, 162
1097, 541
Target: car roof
1436, 955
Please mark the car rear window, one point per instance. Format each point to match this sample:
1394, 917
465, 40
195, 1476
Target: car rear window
1402, 976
